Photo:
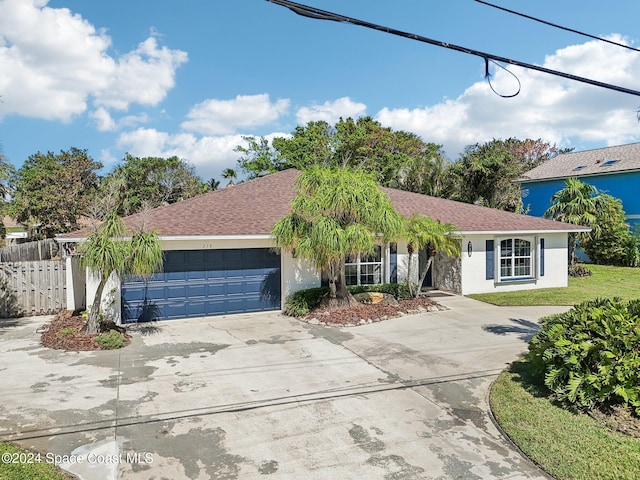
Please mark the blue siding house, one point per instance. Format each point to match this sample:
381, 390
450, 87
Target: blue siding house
614, 170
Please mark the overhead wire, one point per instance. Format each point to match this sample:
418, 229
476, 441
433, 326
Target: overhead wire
555, 25
317, 14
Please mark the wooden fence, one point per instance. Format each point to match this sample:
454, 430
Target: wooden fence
32, 288
30, 251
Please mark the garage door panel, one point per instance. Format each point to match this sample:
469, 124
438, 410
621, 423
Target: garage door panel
207, 282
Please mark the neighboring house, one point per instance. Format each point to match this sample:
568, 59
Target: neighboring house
615, 170
219, 260
16, 232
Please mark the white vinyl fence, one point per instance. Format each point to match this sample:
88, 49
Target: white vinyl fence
32, 288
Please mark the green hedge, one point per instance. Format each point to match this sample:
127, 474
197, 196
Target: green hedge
590, 355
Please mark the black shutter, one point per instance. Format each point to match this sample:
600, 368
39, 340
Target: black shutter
542, 257
490, 260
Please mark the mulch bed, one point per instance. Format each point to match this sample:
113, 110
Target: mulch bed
65, 332
363, 314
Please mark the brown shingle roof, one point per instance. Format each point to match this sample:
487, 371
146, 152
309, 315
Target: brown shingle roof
253, 208
588, 162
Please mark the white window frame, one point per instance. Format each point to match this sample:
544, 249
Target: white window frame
358, 263
533, 259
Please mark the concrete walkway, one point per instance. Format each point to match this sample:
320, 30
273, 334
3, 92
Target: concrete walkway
266, 395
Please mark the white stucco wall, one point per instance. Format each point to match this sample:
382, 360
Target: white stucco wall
474, 266
297, 274
110, 304
403, 263
76, 284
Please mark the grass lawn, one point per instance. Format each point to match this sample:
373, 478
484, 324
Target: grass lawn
569, 446
606, 281
19, 464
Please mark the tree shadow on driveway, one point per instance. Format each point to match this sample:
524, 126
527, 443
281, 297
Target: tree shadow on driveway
524, 329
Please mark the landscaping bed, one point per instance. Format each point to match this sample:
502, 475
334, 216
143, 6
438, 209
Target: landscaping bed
66, 332
362, 314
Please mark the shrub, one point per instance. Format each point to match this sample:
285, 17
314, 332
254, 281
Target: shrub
577, 271
302, 301
590, 355
111, 340
65, 332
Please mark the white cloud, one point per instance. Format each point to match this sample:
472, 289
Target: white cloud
54, 62
208, 154
548, 107
331, 111
143, 76
223, 117
105, 122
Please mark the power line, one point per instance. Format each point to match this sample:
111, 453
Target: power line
318, 14
555, 25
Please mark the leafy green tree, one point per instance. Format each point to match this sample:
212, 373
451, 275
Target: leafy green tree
50, 192
336, 213
485, 173
425, 173
612, 243
576, 203
106, 251
362, 144
422, 232
149, 182
6, 170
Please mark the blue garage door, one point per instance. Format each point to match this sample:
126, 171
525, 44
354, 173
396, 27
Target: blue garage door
198, 283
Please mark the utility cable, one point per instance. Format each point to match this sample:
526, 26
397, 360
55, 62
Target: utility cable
318, 14
555, 25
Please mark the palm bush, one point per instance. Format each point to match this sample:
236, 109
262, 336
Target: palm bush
590, 355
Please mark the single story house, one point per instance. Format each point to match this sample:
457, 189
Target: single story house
219, 257
615, 170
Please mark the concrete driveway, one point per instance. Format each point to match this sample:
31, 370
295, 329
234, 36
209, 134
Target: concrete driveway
266, 395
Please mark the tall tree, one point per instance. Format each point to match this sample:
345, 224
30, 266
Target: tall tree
107, 251
149, 182
485, 173
362, 144
229, 174
213, 184
612, 243
6, 170
422, 232
576, 203
50, 192
336, 213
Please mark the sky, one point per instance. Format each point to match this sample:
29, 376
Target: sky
164, 78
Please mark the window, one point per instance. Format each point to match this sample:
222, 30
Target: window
516, 259
364, 269
608, 163
579, 167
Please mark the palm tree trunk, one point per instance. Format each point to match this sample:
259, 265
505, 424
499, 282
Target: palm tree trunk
423, 275
339, 295
93, 322
410, 269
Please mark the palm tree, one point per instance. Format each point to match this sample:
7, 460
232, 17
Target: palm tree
229, 174
213, 184
337, 213
576, 203
106, 251
422, 232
